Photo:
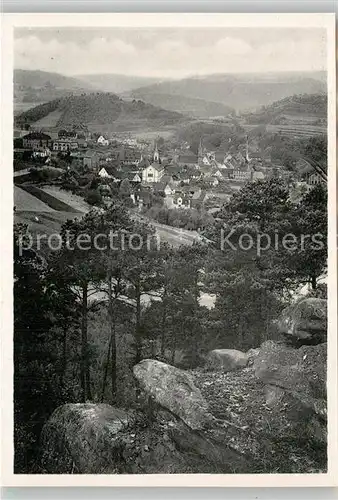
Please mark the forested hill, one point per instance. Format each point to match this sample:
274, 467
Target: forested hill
241, 91
199, 108
99, 109
296, 106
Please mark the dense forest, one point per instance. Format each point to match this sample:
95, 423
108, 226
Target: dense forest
83, 318
98, 108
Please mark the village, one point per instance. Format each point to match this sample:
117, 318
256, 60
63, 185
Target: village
174, 178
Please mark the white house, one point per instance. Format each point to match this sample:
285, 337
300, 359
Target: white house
136, 178
102, 141
153, 173
314, 179
104, 174
168, 190
42, 153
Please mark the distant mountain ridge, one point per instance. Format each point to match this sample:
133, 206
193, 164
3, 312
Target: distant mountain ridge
37, 78
242, 92
34, 86
117, 83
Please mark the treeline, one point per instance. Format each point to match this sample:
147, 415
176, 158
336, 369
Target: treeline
215, 136
84, 315
304, 104
286, 151
188, 218
97, 108
38, 112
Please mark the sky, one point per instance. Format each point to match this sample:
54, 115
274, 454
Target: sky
169, 52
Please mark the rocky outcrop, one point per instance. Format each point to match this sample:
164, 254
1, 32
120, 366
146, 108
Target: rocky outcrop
226, 360
192, 427
83, 438
201, 421
174, 390
295, 384
252, 355
101, 439
305, 322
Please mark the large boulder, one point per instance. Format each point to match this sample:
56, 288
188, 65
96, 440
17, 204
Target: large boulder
174, 390
83, 438
192, 427
305, 322
226, 360
100, 439
295, 383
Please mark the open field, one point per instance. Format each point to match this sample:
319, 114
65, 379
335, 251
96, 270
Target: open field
52, 206
48, 121
27, 202
49, 199
70, 199
297, 130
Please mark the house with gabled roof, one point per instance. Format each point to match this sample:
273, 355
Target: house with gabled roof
164, 187
131, 176
187, 158
36, 139
152, 173
107, 172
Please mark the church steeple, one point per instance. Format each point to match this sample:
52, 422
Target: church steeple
247, 159
156, 156
200, 152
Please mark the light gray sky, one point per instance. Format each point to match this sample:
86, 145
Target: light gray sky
167, 52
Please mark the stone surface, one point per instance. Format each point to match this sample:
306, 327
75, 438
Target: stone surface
252, 355
174, 390
295, 380
83, 438
226, 360
304, 322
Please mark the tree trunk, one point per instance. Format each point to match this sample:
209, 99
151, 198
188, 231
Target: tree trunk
83, 348
173, 348
163, 326
138, 339
105, 372
85, 368
112, 338
314, 282
267, 321
113, 362
64, 354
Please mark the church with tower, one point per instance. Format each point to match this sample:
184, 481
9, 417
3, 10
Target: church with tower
154, 172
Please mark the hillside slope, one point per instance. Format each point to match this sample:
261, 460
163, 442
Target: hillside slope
247, 91
102, 111
198, 108
37, 78
306, 107
32, 87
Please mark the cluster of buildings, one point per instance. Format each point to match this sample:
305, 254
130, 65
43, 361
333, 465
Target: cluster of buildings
183, 179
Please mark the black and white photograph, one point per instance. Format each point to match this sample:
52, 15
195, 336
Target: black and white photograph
170, 249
